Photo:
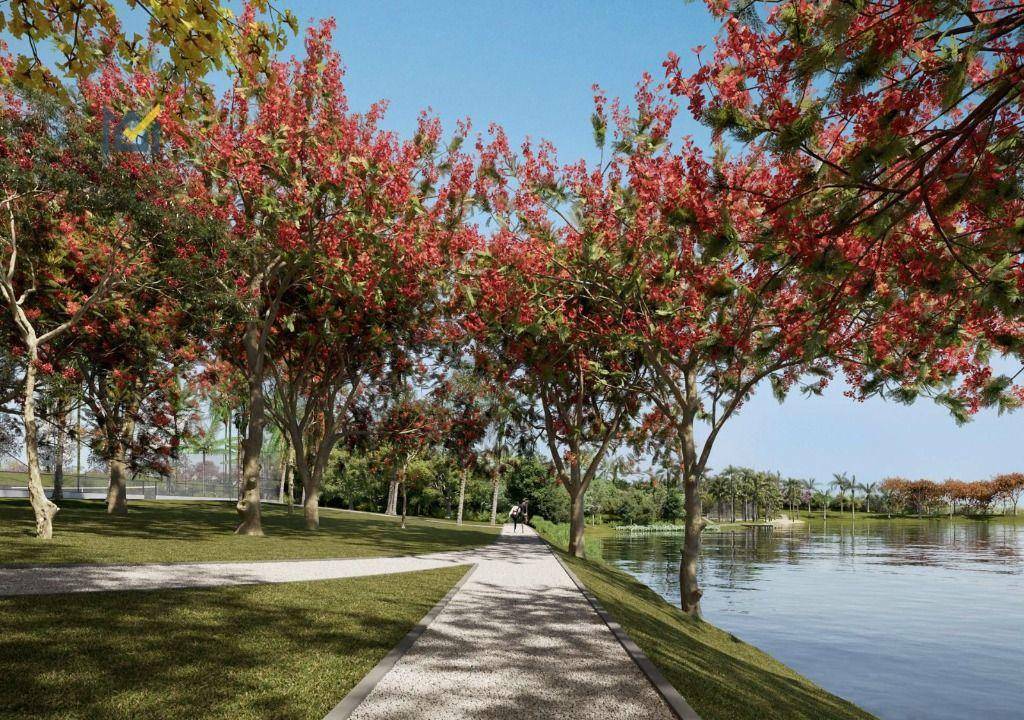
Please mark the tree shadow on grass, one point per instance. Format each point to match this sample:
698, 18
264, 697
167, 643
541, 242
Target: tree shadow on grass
166, 531
271, 651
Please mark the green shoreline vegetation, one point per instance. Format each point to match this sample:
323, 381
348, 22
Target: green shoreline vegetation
719, 675
288, 651
167, 531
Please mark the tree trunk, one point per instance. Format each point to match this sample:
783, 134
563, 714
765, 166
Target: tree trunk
690, 592
285, 457
58, 460
117, 487
577, 548
392, 508
495, 477
405, 502
249, 502
462, 496
42, 507
311, 502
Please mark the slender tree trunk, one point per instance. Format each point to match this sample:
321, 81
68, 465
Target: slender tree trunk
495, 477
392, 508
58, 460
42, 507
577, 548
249, 503
283, 473
405, 501
690, 592
462, 496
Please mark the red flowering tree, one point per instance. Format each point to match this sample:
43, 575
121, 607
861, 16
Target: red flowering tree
409, 427
316, 195
692, 267
78, 231
462, 402
903, 122
532, 306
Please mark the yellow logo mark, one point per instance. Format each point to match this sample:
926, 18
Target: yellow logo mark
131, 135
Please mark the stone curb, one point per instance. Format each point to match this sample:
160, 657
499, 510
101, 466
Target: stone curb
679, 707
356, 695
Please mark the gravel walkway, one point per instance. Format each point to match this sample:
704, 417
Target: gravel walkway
50, 580
518, 641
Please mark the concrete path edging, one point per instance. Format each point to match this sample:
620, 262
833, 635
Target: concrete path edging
356, 695
668, 693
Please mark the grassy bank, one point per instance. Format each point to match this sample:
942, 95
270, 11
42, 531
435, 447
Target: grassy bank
722, 677
847, 517
290, 651
166, 531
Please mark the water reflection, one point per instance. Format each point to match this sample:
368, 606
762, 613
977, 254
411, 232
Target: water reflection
909, 619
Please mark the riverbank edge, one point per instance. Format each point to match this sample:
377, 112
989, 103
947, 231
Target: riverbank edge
721, 677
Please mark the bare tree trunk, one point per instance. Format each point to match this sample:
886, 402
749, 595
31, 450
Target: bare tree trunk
690, 592
495, 477
42, 507
577, 548
311, 501
61, 417
117, 489
405, 501
283, 474
392, 508
462, 496
249, 503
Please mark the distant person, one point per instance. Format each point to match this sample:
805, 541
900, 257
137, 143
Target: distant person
524, 511
513, 515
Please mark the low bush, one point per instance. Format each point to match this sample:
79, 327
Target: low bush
558, 535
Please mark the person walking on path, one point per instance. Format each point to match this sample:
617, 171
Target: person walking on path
513, 515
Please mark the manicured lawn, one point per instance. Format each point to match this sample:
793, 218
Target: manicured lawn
722, 677
289, 651
165, 531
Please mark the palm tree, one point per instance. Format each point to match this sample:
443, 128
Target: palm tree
840, 483
869, 490
826, 500
792, 488
206, 443
852, 486
811, 486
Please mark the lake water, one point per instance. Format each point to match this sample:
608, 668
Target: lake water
909, 620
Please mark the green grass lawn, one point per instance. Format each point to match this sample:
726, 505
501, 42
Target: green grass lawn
167, 531
720, 676
290, 651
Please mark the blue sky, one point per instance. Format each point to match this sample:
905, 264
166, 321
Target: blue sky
530, 65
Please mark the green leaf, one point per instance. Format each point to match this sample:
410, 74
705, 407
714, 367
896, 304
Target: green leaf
600, 130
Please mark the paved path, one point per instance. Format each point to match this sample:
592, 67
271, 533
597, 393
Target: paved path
518, 641
49, 580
